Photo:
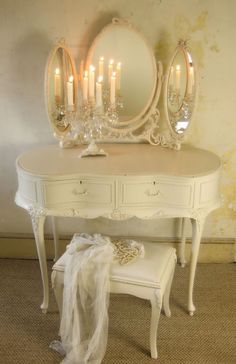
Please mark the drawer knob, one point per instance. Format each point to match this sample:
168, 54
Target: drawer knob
152, 192
79, 193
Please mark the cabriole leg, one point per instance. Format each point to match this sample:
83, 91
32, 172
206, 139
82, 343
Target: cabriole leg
182, 243
38, 220
197, 226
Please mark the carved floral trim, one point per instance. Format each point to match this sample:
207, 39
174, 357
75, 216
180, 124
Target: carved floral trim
117, 214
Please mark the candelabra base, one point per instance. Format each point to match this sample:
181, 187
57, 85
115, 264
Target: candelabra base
92, 150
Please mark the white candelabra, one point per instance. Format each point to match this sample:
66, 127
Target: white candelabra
99, 108
100, 104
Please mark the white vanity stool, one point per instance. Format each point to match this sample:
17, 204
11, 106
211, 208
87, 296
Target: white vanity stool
148, 278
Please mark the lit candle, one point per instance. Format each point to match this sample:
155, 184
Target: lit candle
100, 67
85, 86
190, 79
177, 77
113, 88
118, 75
70, 91
99, 92
171, 78
91, 81
57, 85
110, 69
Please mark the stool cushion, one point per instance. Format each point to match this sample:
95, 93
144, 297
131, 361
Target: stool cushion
147, 271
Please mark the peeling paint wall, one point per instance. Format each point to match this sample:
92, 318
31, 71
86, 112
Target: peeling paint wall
29, 29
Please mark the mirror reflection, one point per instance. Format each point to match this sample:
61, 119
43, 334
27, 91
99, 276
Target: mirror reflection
121, 55
181, 90
61, 88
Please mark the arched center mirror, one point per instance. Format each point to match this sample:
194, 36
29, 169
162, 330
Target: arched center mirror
122, 51
61, 89
180, 91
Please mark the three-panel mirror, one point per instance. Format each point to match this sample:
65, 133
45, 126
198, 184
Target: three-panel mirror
119, 87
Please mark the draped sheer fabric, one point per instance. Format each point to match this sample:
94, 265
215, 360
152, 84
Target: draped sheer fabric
84, 321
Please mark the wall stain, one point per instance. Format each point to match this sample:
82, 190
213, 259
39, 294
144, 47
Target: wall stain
215, 48
228, 185
200, 22
185, 29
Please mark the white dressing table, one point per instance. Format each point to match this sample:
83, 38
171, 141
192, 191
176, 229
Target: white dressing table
146, 181
139, 180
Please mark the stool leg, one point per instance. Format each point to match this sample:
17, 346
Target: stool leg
156, 303
58, 290
166, 296
55, 238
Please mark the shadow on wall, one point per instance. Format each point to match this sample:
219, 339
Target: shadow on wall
27, 67
25, 123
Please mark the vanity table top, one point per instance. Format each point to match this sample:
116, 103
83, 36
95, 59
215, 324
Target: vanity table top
122, 159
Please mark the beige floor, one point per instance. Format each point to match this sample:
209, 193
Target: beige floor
208, 337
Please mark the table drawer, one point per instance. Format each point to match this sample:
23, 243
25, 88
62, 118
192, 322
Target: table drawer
156, 192
87, 192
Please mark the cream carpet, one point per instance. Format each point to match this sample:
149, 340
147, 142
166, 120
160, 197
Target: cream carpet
207, 337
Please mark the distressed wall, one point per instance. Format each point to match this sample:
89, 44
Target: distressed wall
29, 29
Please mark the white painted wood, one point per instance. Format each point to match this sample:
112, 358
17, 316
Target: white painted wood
197, 225
55, 238
135, 180
182, 243
38, 219
154, 284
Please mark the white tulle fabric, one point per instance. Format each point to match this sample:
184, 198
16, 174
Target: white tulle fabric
84, 321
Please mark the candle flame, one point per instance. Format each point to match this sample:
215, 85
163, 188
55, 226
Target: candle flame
111, 61
101, 58
113, 74
100, 79
57, 71
71, 78
177, 67
92, 68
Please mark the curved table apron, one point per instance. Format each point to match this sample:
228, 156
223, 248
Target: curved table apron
138, 180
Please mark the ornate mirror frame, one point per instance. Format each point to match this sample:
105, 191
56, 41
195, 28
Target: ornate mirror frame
59, 113
179, 121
